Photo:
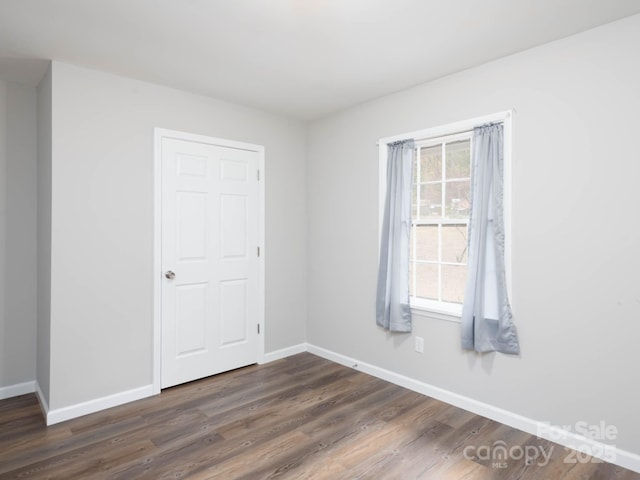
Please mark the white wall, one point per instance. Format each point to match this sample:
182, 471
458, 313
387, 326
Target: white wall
17, 234
5, 370
102, 224
44, 108
576, 232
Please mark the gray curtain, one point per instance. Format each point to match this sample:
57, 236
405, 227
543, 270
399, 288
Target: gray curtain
487, 323
393, 311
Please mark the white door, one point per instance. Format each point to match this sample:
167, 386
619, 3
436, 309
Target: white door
209, 250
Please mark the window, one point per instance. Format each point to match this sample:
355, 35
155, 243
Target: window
439, 220
440, 211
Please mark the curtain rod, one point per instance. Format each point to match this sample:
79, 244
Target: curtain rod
425, 139
455, 128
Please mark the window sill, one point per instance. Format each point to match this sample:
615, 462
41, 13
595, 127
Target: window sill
418, 311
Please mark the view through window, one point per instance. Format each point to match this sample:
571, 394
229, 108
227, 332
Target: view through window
440, 216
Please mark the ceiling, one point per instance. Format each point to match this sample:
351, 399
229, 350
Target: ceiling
300, 58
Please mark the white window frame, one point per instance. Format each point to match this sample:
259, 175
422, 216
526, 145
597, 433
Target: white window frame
433, 308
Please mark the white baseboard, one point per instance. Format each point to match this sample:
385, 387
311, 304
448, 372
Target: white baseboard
17, 389
283, 353
44, 406
572, 440
73, 411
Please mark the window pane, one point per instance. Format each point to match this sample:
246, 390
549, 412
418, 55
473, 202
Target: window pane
414, 200
426, 242
458, 161
411, 270
412, 233
454, 279
431, 164
426, 281
430, 200
454, 243
457, 198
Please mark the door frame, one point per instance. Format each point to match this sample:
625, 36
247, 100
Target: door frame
159, 134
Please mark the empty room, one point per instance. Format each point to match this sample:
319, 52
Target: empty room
319, 239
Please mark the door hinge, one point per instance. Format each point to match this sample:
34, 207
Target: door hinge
258, 251
258, 329
258, 175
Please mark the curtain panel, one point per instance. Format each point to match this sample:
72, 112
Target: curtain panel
487, 321
393, 311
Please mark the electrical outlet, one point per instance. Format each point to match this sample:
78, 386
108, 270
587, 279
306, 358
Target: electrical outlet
419, 344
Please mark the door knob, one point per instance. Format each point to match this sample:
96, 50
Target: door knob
170, 275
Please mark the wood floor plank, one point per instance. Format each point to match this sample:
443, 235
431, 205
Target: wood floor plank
333, 430
47, 446
246, 467
294, 402
254, 437
301, 417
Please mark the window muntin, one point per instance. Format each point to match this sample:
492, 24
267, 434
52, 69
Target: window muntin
440, 217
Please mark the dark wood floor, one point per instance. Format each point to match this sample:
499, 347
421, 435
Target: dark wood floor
301, 417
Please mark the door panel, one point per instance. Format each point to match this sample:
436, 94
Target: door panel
191, 309
192, 225
209, 240
233, 222
233, 299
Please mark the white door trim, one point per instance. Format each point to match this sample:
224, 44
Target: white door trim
159, 134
